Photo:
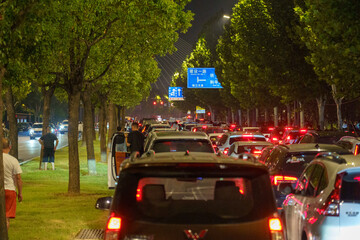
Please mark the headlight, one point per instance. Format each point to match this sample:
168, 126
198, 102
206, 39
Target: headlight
61, 127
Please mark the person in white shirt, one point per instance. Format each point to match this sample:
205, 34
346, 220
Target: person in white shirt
12, 181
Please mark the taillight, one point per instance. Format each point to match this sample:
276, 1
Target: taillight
194, 130
276, 228
303, 130
247, 135
257, 152
356, 151
226, 151
232, 125
271, 129
113, 228
277, 179
138, 195
331, 206
275, 139
288, 138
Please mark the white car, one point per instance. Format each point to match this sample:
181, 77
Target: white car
36, 130
64, 126
326, 201
230, 137
350, 142
254, 148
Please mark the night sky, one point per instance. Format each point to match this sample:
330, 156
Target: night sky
204, 10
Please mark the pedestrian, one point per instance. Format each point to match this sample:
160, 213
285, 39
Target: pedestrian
12, 181
47, 144
135, 140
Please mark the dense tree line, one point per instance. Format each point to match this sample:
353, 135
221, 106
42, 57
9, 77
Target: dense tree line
291, 56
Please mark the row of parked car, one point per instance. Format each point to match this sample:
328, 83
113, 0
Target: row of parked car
238, 186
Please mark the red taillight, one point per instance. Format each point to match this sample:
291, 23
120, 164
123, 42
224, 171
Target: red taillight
194, 130
288, 138
226, 151
356, 151
138, 195
288, 128
357, 179
248, 135
271, 129
204, 127
232, 125
275, 139
331, 206
257, 152
303, 130
114, 223
277, 179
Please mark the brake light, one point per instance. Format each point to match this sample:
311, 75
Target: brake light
114, 223
331, 206
226, 151
288, 138
288, 128
257, 152
277, 179
357, 179
275, 139
271, 129
204, 126
194, 130
138, 195
232, 125
303, 130
248, 135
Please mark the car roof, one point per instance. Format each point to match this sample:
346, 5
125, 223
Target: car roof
242, 133
314, 147
179, 135
159, 124
190, 157
254, 143
338, 164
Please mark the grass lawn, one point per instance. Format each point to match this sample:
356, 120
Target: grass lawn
47, 211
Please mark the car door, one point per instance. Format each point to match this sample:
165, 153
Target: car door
293, 206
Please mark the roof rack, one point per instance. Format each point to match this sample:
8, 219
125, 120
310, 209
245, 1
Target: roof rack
331, 156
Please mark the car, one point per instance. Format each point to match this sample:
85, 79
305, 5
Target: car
192, 196
251, 129
286, 163
36, 130
156, 126
326, 201
329, 137
230, 137
291, 135
64, 126
23, 128
350, 142
255, 148
175, 141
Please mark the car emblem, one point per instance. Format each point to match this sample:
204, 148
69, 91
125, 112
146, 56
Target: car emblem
195, 236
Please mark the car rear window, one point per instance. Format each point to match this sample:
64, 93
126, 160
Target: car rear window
294, 163
350, 187
195, 198
192, 145
246, 139
37, 126
250, 149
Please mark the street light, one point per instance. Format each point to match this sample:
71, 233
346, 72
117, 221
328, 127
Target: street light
226, 16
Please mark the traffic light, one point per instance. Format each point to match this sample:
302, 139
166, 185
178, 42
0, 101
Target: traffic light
154, 103
209, 113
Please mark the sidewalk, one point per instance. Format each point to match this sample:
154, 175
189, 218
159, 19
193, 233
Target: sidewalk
47, 211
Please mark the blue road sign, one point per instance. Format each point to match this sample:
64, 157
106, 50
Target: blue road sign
202, 78
176, 93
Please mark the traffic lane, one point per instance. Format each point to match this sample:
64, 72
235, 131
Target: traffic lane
29, 149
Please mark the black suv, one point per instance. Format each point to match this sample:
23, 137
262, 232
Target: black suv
287, 162
181, 196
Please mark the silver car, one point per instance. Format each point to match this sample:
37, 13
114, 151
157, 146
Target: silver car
230, 137
326, 202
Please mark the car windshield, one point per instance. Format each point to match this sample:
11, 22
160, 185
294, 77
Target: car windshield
37, 125
196, 198
182, 145
245, 138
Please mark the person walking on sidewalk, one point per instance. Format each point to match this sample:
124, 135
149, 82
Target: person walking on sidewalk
12, 181
47, 144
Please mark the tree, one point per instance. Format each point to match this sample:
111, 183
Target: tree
330, 31
87, 36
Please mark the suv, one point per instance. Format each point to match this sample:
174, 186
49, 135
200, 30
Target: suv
36, 130
178, 141
192, 196
286, 163
230, 137
326, 202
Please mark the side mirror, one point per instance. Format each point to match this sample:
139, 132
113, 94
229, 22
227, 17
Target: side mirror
103, 203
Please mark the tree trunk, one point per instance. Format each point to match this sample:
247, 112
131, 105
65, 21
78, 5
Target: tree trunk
232, 116
321, 110
338, 102
276, 117
248, 118
88, 132
302, 116
122, 116
3, 227
256, 117
74, 165
102, 129
288, 114
112, 124
240, 120
93, 132
47, 94
13, 133
266, 113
